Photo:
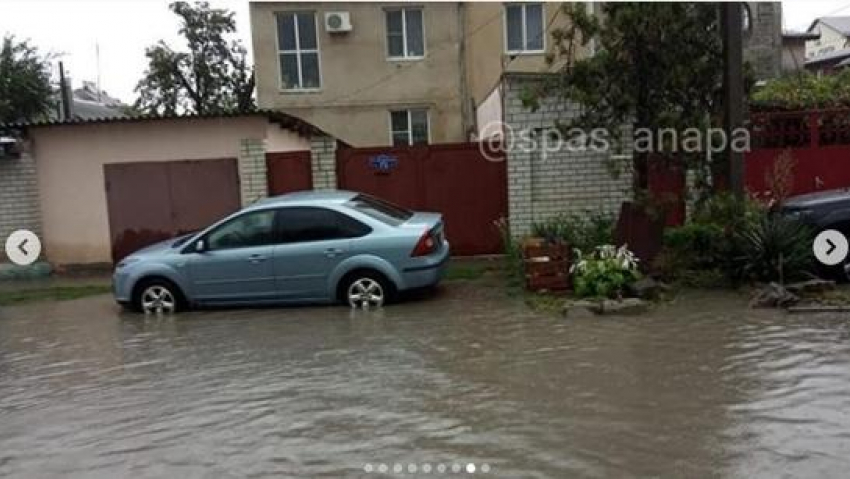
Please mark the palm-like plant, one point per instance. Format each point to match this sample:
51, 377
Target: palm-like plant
774, 248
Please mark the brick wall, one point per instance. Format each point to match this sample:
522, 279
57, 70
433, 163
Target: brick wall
323, 152
253, 180
546, 183
18, 198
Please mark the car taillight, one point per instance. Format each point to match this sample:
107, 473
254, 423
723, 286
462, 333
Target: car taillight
426, 245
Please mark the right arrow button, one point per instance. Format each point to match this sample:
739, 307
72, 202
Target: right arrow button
830, 247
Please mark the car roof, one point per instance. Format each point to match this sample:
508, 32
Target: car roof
308, 197
818, 198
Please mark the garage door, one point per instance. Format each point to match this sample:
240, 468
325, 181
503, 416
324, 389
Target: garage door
152, 201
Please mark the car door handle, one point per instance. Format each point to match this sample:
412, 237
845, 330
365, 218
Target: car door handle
257, 258
332, 252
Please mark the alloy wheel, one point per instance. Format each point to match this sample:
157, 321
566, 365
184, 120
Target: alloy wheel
158, 299
366, 293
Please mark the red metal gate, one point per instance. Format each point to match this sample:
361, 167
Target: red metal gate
152, 201
289, 171
456, 180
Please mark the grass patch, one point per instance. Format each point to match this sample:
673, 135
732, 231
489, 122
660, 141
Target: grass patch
54, 293
548, 303
466, 271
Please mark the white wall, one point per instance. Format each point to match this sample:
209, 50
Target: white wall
829, 39
70, 160
489, 113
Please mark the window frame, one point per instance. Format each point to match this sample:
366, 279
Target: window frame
298, 51
410, 125
275, 232
524, 8
405, 57
280, 232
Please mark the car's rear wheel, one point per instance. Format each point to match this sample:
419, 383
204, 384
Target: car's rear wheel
157, 296
365, 290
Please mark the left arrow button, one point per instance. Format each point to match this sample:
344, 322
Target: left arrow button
23, 247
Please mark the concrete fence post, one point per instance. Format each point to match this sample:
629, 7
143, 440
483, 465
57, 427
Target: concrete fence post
323, 162
253, 177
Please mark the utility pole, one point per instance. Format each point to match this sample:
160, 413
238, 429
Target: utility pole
732, 25
64, 94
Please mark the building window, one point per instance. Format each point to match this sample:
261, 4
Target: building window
298, 51
405, 33
409, 127
524, 28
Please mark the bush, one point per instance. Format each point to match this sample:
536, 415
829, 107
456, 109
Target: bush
775, 248
698, 245
582, 232
605, 273
803, 91
696, 254
728, 211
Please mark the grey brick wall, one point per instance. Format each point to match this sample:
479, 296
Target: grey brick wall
253, 178
542, 184
323, 152
763, 42
19, 203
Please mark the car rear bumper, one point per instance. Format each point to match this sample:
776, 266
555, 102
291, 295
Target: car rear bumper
428, 272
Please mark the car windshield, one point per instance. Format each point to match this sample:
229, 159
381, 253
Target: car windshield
380, 210
183, 239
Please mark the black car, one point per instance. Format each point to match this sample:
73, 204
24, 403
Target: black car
824, 210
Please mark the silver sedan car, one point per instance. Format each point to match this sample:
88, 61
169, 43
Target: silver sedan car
306, 247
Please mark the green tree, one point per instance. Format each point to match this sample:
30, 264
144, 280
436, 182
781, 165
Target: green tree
657, 66
213, 73
25, 91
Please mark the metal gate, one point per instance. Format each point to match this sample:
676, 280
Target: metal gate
456, 180
152, 201
288, 171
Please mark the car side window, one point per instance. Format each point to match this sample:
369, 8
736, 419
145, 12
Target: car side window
251, 229
303, 224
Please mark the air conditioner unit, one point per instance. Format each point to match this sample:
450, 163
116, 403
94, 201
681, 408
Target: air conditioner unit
337, 22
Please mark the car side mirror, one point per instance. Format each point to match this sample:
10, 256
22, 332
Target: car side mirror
200, 246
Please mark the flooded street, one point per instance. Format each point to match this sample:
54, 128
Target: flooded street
699, 388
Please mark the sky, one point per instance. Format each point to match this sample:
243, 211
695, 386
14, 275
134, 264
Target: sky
124, 28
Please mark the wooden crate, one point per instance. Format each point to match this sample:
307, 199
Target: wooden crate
546, 266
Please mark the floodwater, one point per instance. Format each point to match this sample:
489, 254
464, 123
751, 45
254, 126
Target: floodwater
699, 388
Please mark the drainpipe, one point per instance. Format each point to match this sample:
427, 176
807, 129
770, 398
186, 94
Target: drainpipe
465, 111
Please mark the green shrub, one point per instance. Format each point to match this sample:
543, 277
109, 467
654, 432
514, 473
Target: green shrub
582, 232
727, 211
738, 239
605, 273
698, 245
774, 248
803, 91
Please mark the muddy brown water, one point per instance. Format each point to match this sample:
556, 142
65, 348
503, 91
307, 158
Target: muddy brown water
700, 388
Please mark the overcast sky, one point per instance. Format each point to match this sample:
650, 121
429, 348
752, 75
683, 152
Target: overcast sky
124, 28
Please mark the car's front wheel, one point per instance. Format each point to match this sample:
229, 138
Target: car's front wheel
365, 290
157, 297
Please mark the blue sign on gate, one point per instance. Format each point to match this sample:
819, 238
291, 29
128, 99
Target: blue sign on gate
383, 163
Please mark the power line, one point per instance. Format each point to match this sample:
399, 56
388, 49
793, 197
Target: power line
838, 10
